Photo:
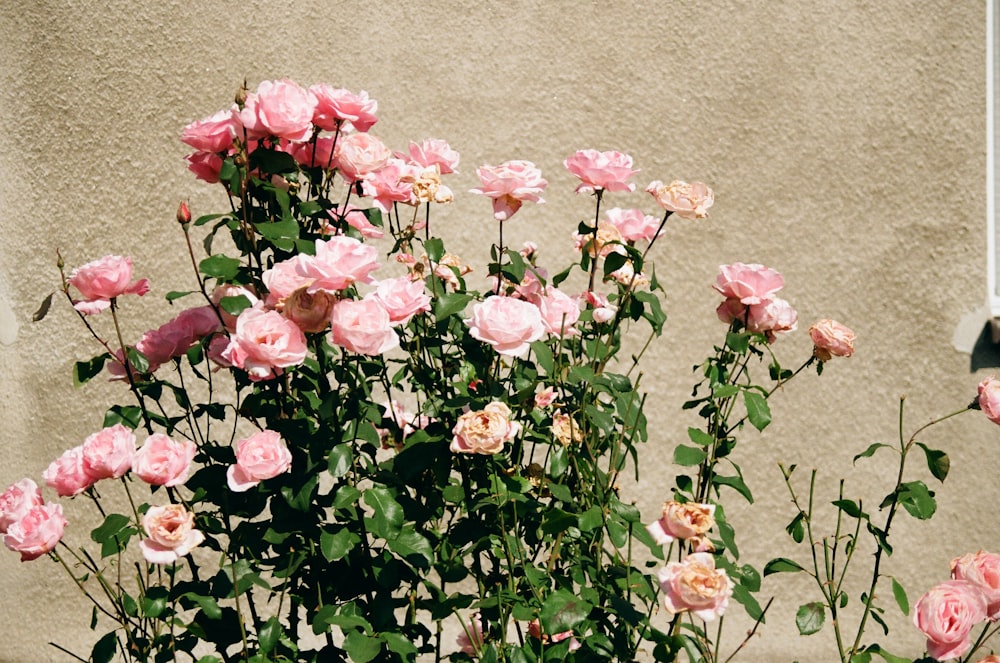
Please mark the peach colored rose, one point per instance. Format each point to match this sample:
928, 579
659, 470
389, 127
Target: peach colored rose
470, 640
402, 298
108, 453
310, 312
66, 474
261, 456
606, 240
633, 224
831, 339
170, 534
609, 171
695, 585
356, 155
509, 185
337, 106
265, 343
509, 325
17, 501
339, 262
37, 532
750, 284
989, 398
161, 461
946, 614
983, 570
362, 326
484, 431
102, 280
560, 312
688, 201
682, 520
432, 152
211, 134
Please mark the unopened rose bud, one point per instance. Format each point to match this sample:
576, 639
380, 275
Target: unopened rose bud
241, 95
183, 214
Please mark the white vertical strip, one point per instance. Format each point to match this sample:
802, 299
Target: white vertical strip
991, 224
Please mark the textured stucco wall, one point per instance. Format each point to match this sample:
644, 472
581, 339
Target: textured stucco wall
844, 140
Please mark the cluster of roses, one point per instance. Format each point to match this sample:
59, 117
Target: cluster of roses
472, 638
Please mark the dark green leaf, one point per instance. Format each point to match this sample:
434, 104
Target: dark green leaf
285, 229
450, 303
361, 648
174, 295
591, 519
137, 360
742, 595
109, 529
736, 483
563, 611
398, 643
758, 411
867, 453
796, 529
809, 618
937, 462
413, 547
781, 565
388, 517
220, 266
851, 508
558, 462
435, 249
686, 456
269, 634
336, 546
43, 308
543, 355
208, 604
917, 499
85, 370
900, 594
340, 460
104, 650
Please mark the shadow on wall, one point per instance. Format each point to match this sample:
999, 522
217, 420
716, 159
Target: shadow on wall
985, 353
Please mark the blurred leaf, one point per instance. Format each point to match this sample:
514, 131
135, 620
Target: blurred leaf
558, 462
867, 453
809, 618
43, 308
781, 565
449, 303
591, 519
686, 456
563, 611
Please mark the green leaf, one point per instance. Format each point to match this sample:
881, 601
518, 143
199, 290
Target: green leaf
809, 618
340, 460
105, 648
286, 229
758, 411
851, 508
557, 520
736, 483
336, 546
361, 648
43, 308
739, 342
396, 642
413, 547
917, 500
742, 595
208, 604
781, 565
558, 462
591, 519
85, 370
388, 517
269, 634
137, 360
700, 437
450, 303
937, 462
155, 601
174, 295
220, 266
900, 594
889, 658
796, 529
234, 305
434, 248
563, 611
543, 356
686, 456
110, 528
867, 453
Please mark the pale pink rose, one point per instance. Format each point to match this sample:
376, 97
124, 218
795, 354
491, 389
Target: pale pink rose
633, 224
37, 532
335, 106
682, 520
284, 278
695, 585
608, 171
484, 431
362, 326
161, 461
535, 631
226, 290
17, 501
946, 614
339, 262
989, 398
264, 343
772, 318
509, 325
983, 570
356, 155
402, 298
470, 640
279, 108
211, 134
831, 339
102, 280
355, 218
601, 308
66, 474
108, 453
560, 312
317, 153
688, 201
432, 152
170, 534
392, 183
406, 422
206, 166
545, 397
509, 185
261, 456
750, 284
311, 312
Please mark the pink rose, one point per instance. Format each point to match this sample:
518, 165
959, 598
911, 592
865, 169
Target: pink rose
176, 337
608, 171
66, 474
263, 455
545, 397
362, 326
170, 534
402, 298
317, 153
535, 631
989, 398
162, 461
688, 201
102, 280
601, 308
560, 312
432, 152
470, 640
772, 318
392, 183
750, 284
216, 347
37, 532
407, 422
279, 108
484, 431
108, 453
695, 585
17, 501
946, 614
310, 312
339, 262
633, 224
335, 106
509, 325
264, 343
983, 570
356, 155
206, 166
509, 185
355, 218
831, 339
682, 521
284, 278
211, 134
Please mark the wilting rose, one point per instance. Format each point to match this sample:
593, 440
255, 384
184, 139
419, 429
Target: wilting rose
633, 224
682, 520
509, 185
609, 171
946, 614
362, 326
37, 532
261, 456
983, 570
432, 152
831, 339
339, 262
484, 431
66, 474
470, 640
565, 430
108, 453
509, 325
606, 240
211, 134
311, 312
161, 461
17, 501
279, 108
356, 155
750, 284
695, 585
170, 534
102, 280
989, 398
264, 343
427, 188
688, 201
335, 106
402, 298
560, 312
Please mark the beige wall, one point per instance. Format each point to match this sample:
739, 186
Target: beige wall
845, 142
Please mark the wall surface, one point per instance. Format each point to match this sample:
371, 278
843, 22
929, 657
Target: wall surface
845, 141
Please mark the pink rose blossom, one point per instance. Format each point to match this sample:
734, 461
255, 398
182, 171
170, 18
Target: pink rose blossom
316, 153
284, 278
206, 166
392, 183
279, 108
261, 456
37, 532
750, 284
545, 397
310, 312
357, 219
162, 461
176, 337
66, 474
108, 453
339, 262
407, 422
356, 155
170, 534
362, 326
946, 614
989, 398
211, 134
264, 343
335, 106
402, 298
608, 171
17, 501
560, 312
695, 585
470, 640
535, 631
484, 431
601, 308
216, 347
688, 201
633, 224
509, 185
432, 152
509, 325
772, 318
831, 339
682, 520
983, 570
102, 280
